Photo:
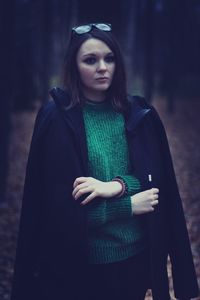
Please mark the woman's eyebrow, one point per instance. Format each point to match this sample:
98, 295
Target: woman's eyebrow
89, 54
96, 54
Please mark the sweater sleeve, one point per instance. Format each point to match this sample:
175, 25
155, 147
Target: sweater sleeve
103, 211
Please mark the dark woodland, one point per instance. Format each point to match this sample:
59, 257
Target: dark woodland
160, 41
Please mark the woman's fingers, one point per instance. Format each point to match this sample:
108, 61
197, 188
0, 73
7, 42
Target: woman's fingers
82, 192
89, 198
154, 193
155, 202
79, 180
155, 190
79, 187
92, 186
83, 185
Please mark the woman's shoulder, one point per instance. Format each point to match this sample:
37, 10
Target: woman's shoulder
46, 112
44, 118
138, 100
139, 103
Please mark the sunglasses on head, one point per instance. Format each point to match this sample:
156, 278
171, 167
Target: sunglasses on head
88, 27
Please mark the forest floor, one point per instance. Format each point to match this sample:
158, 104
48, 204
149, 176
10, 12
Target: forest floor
183, 128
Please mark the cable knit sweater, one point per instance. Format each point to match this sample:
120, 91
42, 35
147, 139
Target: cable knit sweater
114, 232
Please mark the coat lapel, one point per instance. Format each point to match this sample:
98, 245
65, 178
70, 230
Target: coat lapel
74, 119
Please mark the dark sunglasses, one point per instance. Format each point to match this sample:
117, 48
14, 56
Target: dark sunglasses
88, 27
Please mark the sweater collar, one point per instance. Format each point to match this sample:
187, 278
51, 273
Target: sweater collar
97, 107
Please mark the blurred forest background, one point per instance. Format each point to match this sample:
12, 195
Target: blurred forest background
160, 41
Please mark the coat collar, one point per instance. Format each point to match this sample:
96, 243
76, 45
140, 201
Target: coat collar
138, 109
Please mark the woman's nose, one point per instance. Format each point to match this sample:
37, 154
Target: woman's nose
102, 65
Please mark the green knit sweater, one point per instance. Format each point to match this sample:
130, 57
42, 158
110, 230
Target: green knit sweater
114, 232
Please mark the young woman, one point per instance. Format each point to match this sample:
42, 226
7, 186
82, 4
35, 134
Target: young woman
101, 209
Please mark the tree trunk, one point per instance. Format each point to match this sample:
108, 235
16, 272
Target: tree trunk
7, 70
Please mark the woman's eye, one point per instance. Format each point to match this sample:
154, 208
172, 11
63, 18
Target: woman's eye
110, 59
90, 60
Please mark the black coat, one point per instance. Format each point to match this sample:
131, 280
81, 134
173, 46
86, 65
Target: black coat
51, 257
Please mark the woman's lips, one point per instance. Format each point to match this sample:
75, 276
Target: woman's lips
102, 79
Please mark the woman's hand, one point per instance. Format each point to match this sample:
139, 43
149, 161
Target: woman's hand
145, 201
95, 188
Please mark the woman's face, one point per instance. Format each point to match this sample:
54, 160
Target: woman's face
96, 66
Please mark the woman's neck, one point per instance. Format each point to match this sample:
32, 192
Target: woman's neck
94, 96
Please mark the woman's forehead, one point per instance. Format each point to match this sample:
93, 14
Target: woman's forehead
94, 46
